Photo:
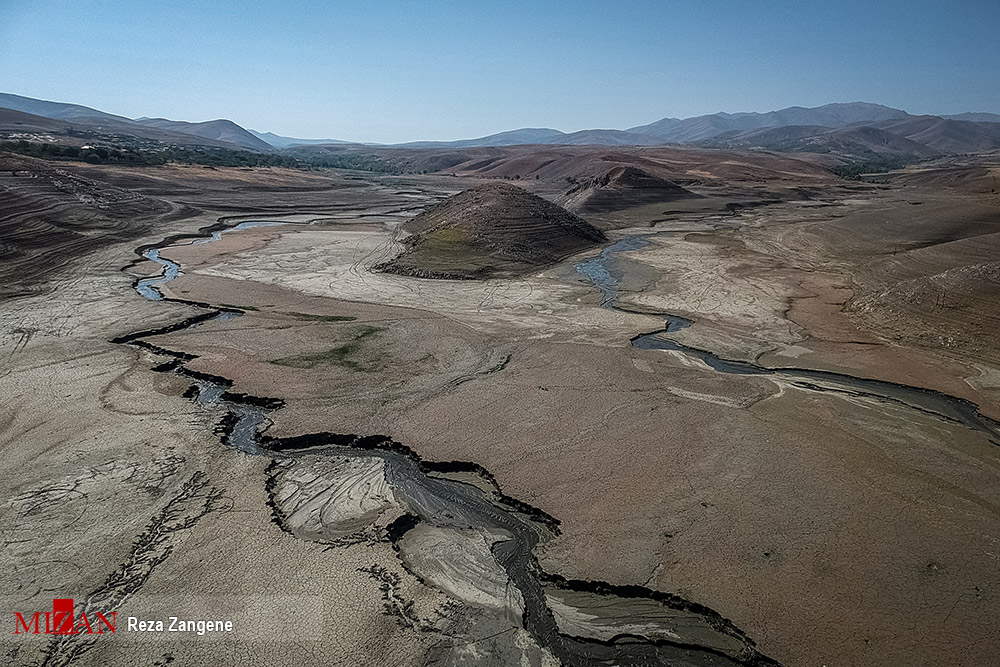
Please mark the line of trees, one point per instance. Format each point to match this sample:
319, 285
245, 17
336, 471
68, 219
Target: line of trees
92, 154
854, 170
203, 155
210, 156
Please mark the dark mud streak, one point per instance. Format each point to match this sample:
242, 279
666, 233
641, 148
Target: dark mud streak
394, 603
515, 555
273, 468
135, 337
496, 368
225, 426
400, 526
205, 377
255, 401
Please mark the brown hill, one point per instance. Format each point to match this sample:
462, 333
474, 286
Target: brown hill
493, 230
967, 178
623, 187
947, 136
52, 215
107, 129
564, 164
13, 122
75, 124
214, 130
862, 143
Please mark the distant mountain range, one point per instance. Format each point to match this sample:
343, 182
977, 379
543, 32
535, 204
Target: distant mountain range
976, 117
847, 131
278, 141
544, 135
57, 110
699, 128
81, 120
857, 130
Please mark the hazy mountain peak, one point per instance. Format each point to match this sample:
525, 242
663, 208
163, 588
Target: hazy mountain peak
700, 128
279, 141
802, 128
975, 117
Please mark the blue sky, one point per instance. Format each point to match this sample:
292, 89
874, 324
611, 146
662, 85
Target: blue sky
400, 71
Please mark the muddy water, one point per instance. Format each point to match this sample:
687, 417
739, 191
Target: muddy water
686, 634
147, 286
605, 271
605, 275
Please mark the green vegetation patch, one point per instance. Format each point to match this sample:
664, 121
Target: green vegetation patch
122, 150
91, 154
145, 155
449, 235
345, 355
853, 171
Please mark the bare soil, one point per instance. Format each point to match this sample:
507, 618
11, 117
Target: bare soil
831, 528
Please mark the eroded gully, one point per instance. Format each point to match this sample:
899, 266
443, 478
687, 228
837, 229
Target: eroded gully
706, 638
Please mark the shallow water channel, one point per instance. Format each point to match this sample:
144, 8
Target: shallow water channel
605, 271
596, 623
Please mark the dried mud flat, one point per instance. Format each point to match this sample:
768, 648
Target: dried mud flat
738, 516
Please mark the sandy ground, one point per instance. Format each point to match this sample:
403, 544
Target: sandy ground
832, 530
116, 462
116, 487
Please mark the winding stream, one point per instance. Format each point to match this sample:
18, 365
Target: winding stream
686, 634
146, 287
605, 275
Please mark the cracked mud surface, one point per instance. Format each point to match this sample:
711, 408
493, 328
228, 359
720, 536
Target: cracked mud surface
829, 527
479, 548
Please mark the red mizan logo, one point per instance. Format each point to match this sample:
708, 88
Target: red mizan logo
62, 621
